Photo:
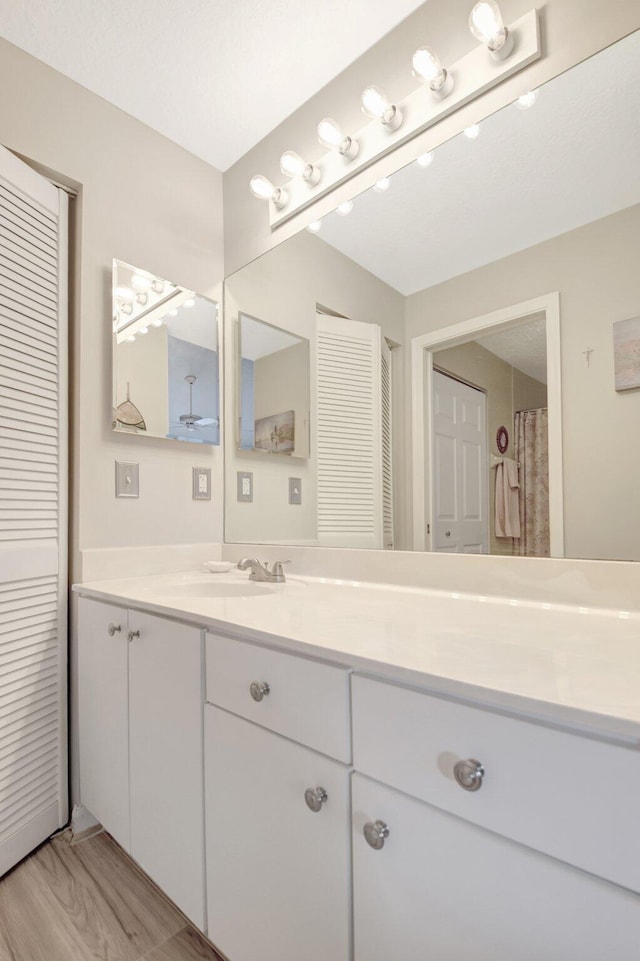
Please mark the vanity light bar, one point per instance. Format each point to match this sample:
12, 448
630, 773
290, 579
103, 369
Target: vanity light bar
504, 52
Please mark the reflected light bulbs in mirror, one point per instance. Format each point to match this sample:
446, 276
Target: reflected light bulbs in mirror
314, 227
427, 66
292, 165
472, 132
376, 105
526, 100
262, 188
330, 134
424, 160
141, 282
343, 209
487, 26
381, 185
124, 293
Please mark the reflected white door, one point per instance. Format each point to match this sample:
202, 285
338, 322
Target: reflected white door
459, 459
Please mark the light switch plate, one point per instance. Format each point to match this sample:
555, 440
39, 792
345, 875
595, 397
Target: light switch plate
202, 483
245, 487
295, 490
127, 479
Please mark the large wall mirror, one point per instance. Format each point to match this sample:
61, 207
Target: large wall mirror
165, 359
474, 340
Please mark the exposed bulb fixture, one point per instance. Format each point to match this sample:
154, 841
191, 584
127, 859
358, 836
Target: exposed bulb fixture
124, 293
487, 26
427, 67
143, 330
158, 322
189, 303
314, 227
343, 209
262, 188
173, 312
424, 160
330, 134
292, 165
381, 185
126, 308
141, 298
376, 105
141, 282
130, 340
472, 132
526, 100
157, 286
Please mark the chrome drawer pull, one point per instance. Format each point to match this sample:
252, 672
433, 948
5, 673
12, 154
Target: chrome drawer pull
375, 834
114, 629
133, 634
259, 689
469, 774
315, 798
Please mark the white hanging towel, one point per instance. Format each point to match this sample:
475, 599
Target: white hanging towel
507, 499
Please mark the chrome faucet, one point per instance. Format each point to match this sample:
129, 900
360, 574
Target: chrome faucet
261, 572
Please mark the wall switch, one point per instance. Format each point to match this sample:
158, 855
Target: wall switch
202, 483
127, 479
245, 487
295, 490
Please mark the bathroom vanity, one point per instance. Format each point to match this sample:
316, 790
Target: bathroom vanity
350, 771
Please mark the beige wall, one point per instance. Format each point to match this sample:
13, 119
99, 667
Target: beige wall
150, 203
572, 30
284, 289
595, 270
508, 389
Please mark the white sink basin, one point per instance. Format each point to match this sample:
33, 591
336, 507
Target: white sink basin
213, 588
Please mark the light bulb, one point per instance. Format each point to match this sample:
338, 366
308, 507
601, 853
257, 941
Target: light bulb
143, 330
343, 209
487, 26
526, 100
158, 286
130, 340
124, 293
173, 313
427, 66
376, 105
158, 322
189, 303
381, 185
314, 227
262, 188
330, 134
141, 298
126, 309
292, 165
424, 160
141, 282
472, 132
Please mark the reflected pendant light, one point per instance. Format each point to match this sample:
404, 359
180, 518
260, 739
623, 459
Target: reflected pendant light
127, 414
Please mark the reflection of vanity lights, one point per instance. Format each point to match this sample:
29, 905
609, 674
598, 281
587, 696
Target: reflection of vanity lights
130, 340
173, 312
142, 298
262, 188
381, 185
487, 26
314, 227
292, 165
424, 160
472, 132
331, 136
427, 67
141, 282
526, 100
189, 303
343, 209
158, 322
376, 105
142, 330
126, 308
124, 293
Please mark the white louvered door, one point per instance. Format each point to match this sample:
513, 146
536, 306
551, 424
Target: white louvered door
349, 433
33, 513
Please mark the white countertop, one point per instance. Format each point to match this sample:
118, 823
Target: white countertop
563, 665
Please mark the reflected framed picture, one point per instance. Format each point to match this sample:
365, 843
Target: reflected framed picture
626, 353
276, 434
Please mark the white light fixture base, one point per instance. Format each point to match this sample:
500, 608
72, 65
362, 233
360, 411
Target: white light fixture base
473, 75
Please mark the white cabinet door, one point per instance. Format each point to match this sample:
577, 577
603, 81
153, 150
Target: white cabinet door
445, 889
277, 873
165, 736
103, 715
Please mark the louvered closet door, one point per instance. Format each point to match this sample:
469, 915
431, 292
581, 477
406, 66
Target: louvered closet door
33, 495
349, 433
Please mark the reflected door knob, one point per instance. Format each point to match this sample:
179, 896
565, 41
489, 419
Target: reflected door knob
469, 774
375, 833
133, 634
315, 798
259, 690
114, 629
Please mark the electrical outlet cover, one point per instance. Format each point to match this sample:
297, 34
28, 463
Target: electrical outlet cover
201, 484
245, 487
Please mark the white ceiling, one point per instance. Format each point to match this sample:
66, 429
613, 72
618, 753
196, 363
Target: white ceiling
524, 347
215, 76
572, 158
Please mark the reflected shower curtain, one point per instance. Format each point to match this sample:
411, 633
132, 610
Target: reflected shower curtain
532, 453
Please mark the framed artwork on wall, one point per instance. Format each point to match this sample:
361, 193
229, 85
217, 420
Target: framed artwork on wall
626, 353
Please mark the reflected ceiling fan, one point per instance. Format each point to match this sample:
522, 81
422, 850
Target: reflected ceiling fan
193, 421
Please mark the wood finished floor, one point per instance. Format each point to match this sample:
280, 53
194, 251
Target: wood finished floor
89, 902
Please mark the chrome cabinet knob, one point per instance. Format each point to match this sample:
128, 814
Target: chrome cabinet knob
375, 833
469, 774
114, 629
132, 634
259, 689
315, 798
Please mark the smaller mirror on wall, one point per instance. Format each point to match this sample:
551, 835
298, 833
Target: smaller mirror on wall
165, 359
274, 389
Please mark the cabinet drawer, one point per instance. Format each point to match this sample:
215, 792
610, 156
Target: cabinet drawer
564, 794
307, 701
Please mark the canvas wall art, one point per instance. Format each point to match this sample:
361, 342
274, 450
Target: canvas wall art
626, 353
276, 433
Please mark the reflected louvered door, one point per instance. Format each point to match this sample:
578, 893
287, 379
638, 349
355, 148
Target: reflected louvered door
33, 493
387, 446
349, 433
